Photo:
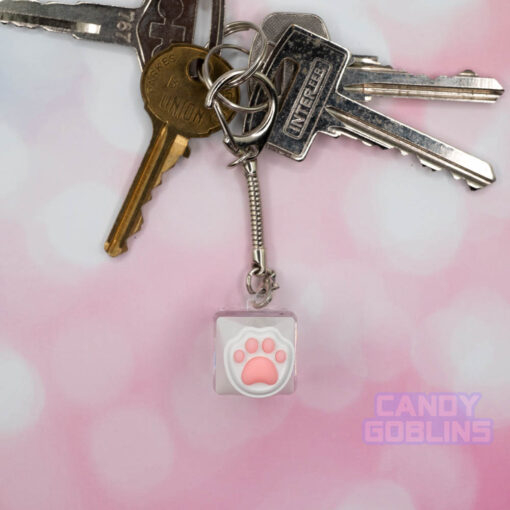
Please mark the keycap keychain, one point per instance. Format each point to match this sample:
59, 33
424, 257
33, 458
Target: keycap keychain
255, 351
320, 87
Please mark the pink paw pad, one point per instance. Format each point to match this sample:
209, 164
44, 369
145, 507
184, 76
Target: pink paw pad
259, 362
261, 368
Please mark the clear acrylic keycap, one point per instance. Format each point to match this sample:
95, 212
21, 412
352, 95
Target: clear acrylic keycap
255, 353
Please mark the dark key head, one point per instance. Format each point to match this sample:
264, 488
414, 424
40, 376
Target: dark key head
319, 65
165, 22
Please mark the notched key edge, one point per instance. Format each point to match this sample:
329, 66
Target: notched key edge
116, 243
97, 22
484, 176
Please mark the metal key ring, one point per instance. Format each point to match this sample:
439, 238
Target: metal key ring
246, 74
246, 146
240, 26
243, 26
205, 77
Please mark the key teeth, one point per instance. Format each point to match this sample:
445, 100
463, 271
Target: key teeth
426, 164
157, 184
137, 226
21, 24
369, 143
436, 168
468, 72
26, 24
114, 248
431, 166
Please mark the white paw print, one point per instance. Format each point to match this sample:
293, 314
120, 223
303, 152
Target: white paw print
259, 362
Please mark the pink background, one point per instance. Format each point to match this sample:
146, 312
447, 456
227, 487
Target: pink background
399, 278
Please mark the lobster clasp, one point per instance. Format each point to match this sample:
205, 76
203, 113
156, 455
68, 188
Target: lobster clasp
248, 145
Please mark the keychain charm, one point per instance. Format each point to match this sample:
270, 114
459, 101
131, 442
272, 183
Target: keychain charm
255, 350
255, 353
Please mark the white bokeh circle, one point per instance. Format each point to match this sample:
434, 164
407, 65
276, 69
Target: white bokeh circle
355, 334
423, 12
21, 393
39, 68
113, 103
492, 143
465, 347
76, 221
14, 162
415, 219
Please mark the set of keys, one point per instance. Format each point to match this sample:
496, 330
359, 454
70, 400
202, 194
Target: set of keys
301, 84
324, 89
157, 24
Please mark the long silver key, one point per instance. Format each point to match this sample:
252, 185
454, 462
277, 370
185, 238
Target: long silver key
150, 28
313, 105
365, 77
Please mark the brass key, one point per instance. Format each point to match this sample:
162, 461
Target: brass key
175, 102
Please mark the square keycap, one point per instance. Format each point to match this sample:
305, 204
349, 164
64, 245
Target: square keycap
255, 353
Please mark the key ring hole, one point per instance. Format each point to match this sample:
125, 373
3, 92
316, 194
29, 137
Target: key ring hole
194, 68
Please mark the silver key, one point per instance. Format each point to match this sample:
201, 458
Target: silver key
365, 77
274, 25
313, 105
150, 28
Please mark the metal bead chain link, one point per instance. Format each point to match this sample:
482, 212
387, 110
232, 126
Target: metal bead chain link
257, 228
266, 277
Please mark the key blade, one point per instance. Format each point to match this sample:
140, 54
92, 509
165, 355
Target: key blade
164, 152
84, 21
362, 82
176, 105
355, 119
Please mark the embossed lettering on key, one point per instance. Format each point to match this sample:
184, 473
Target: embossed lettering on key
175, 102
313, 104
